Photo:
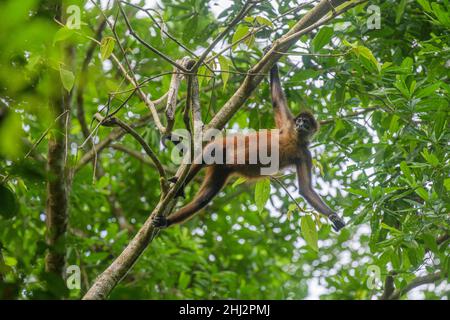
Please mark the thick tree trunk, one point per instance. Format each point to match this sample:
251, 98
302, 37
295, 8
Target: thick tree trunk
58, 185
57, 189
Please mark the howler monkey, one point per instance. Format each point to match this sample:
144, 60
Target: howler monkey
293, 137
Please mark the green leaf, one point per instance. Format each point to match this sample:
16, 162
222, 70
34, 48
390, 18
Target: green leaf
427, 91
407, 64
240, 33
422, 193
358, 192
439, 125
10, 137
107, 47
262, 193
264, 21
430, 158
401, 86
322, 38
430, 242
67, 78
183, 280
224, 68
406, 171
238, 181
441, 14
309, 232
400, 11
425, 5
393, 127
10, 261
190, 29
366, 53
8, 202
447, 184
63, 34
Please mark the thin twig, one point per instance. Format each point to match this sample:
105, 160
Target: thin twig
147, 11
244, 10
350, 115
256, 30
419, 281
112, 121
34, 146
287, 191
148, 46
131, 76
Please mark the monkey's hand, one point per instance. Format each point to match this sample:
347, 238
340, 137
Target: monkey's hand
160, 222
338, 223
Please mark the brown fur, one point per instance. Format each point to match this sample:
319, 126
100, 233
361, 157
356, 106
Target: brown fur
293, 151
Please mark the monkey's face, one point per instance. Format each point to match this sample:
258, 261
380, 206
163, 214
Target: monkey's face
305, 124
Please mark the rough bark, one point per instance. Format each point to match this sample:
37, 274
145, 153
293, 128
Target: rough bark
57, 209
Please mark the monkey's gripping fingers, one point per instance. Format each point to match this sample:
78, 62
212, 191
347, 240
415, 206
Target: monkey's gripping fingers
160, 222
338, 223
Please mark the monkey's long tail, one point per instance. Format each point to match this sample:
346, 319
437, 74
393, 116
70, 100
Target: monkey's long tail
208, 190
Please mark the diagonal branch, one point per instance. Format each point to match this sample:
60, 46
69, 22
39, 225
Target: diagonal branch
112, 121
114, 135
417, 282
160, 27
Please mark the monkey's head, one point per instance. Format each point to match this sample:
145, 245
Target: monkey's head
305, 124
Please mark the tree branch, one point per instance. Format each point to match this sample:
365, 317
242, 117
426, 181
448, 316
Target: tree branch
350, 115
148, 46
114, 135
419, 281
83, 78
142, 158
388, 287
172, 96
242, 13
112, 121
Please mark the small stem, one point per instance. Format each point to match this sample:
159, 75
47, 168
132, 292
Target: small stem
112, 121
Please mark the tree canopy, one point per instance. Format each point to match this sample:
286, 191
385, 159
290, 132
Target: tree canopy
75, 189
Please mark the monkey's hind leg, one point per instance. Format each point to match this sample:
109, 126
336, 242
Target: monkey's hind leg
215, 179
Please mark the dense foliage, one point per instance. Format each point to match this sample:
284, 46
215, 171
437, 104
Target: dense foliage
382, 156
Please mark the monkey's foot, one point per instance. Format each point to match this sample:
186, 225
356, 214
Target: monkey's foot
338, 223
160, 222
